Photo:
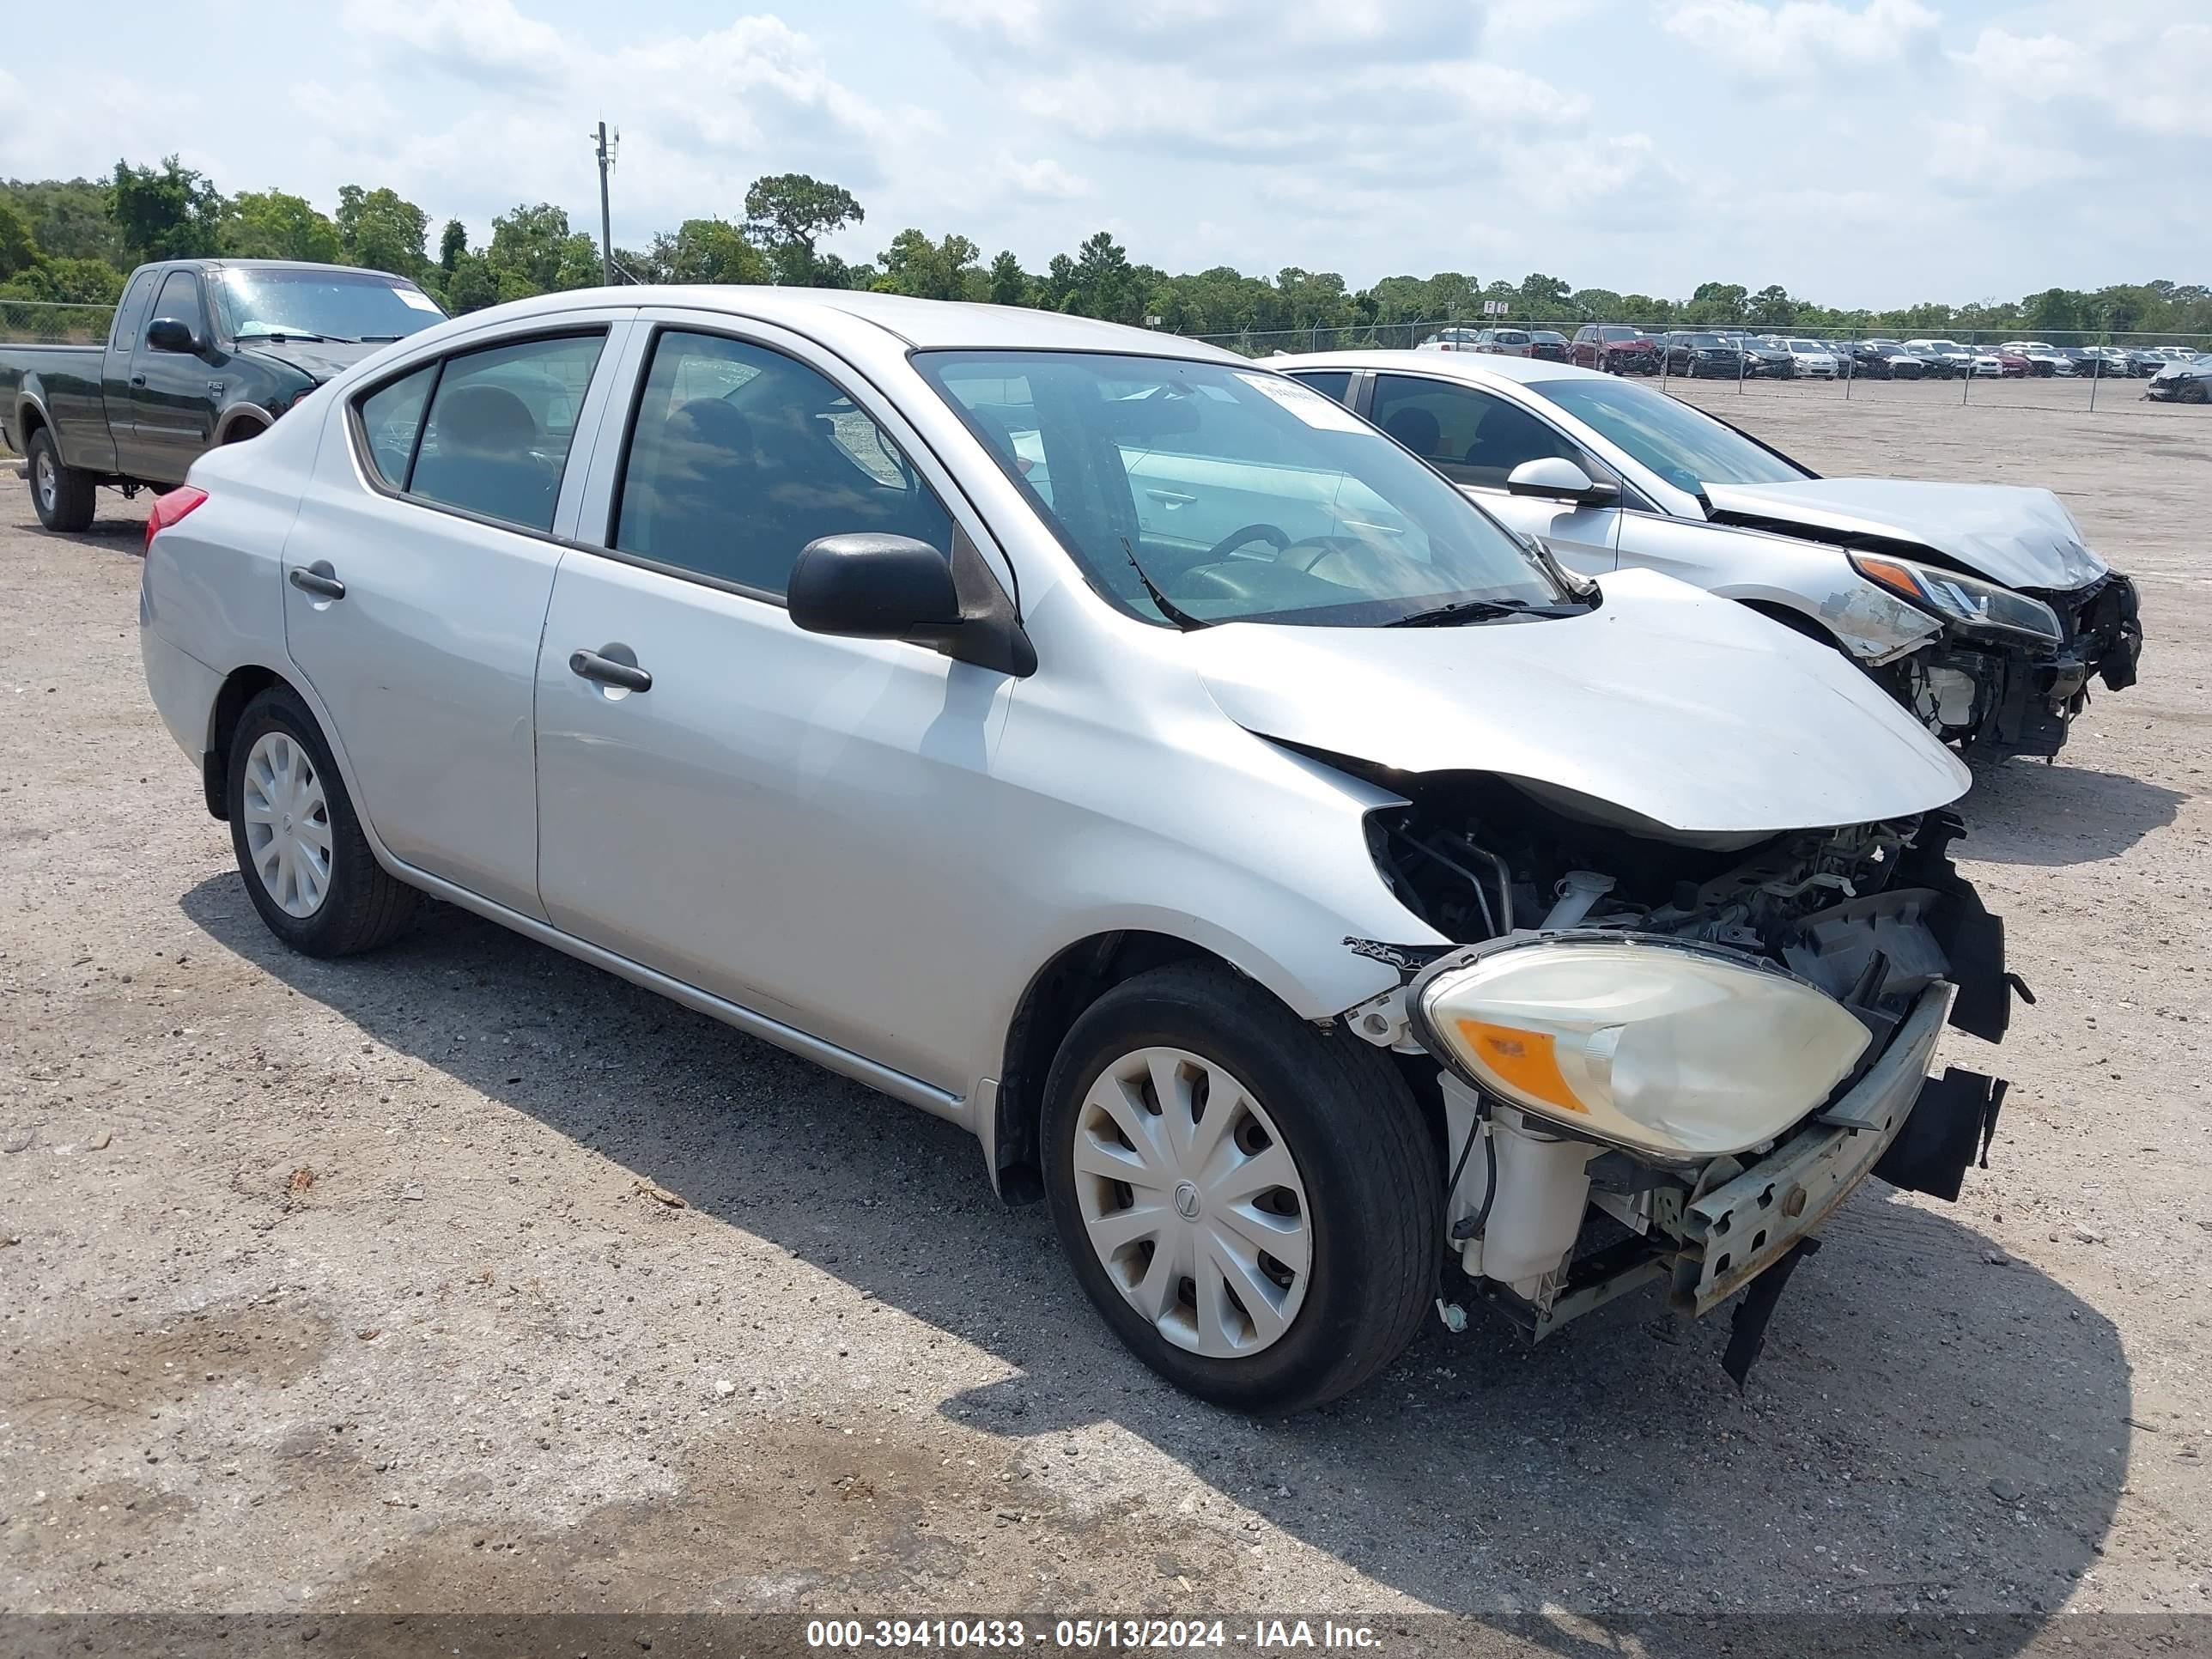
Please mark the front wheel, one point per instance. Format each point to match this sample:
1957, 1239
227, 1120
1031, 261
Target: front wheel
61, 494
1254, 1208
307, 866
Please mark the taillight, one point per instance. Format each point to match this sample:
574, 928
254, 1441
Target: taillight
171, 508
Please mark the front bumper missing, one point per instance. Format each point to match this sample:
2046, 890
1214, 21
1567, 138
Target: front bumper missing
1735, 1233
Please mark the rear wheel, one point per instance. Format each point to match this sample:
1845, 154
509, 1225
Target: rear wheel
307, 866
61, 494
1253, 1207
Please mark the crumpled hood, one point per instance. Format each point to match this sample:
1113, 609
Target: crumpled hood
1679, 709
2013, 534
318, 360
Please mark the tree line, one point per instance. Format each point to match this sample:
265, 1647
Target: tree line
74, 240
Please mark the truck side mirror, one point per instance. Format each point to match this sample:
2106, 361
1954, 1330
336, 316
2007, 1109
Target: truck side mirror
168, 334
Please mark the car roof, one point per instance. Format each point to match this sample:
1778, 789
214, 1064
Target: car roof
1476, 370
924, 324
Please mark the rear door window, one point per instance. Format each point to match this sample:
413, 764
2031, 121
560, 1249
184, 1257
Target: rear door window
501, 424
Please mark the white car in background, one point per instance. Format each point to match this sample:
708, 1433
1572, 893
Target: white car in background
1976, 605
1815, 359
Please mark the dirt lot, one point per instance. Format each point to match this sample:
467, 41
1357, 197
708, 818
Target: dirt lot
329, 1286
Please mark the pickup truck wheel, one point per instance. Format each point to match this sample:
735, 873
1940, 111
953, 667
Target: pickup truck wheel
1254, 1208
61, 494
307, 866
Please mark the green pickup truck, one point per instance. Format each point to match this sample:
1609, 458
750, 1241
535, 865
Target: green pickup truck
201, 352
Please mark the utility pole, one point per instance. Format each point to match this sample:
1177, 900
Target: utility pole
606, 149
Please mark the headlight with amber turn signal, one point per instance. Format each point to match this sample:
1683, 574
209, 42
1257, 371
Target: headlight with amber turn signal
1961, 599
1679, 1051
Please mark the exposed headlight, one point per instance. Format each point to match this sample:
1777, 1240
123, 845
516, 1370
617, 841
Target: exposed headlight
1681, 1052
1965, 599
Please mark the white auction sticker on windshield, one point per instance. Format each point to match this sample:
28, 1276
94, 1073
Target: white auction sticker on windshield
408, 296
1324, 414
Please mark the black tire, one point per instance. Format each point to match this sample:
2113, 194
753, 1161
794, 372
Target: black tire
1351, 1125
62, 495
361, 906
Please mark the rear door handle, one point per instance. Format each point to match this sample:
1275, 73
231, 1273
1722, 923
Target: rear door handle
626, 676
1171, 498
138, 380
320, 583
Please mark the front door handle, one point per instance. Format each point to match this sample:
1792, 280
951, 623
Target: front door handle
624, 676
321, 583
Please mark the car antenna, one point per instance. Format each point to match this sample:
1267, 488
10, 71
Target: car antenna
1174, 612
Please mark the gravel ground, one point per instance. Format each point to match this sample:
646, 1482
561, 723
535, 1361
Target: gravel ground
359, 1284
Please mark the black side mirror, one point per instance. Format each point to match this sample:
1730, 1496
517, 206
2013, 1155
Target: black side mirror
873, 586
168, 334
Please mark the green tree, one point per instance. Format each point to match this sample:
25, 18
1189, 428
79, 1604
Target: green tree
1718, 302
928, 270
527, 246
707, 250
1010, 284
453, 243
1542, 299
787, 214
472, 285
68, 217
1103, 285
1773, 308
269, 224
382, 231
19, 250
169, 212
68, 281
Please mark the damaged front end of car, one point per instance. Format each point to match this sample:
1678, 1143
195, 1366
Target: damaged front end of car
1666, 1058
2012, 669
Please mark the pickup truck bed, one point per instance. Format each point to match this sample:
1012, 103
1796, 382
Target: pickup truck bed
201, 352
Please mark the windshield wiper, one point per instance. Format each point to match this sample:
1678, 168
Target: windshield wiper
1169, 608
377, 339
283, 335
1460, 610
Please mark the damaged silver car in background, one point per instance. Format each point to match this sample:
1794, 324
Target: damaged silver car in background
1334, 916
1977, 605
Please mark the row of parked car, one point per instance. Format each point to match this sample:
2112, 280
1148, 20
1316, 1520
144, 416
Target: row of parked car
1737, 354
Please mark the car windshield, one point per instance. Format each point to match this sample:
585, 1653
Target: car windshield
1233, 494
1807, 345
1618, 334
1706, 340
1548, 338
327, 303
1685, 446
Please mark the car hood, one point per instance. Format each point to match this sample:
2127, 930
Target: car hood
2021, 537
318, 360
1664, 710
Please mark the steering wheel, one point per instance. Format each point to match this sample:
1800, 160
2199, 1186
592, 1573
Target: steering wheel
1306, 554
1237, 538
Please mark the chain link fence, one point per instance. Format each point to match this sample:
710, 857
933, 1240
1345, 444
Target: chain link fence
2006, 367
41, 322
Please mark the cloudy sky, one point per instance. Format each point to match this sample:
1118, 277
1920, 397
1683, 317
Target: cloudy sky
1859, 151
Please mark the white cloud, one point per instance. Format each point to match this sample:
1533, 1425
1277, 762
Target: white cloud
1802, 40
1043, 180
477, 39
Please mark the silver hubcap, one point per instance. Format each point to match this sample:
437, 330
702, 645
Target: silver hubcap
1193, 1203
48, 484
287, 824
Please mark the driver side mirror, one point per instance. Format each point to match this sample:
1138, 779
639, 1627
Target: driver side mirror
875, 586
168, 334
1554, 477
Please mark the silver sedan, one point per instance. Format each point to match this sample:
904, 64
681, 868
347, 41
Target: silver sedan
1115, 747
